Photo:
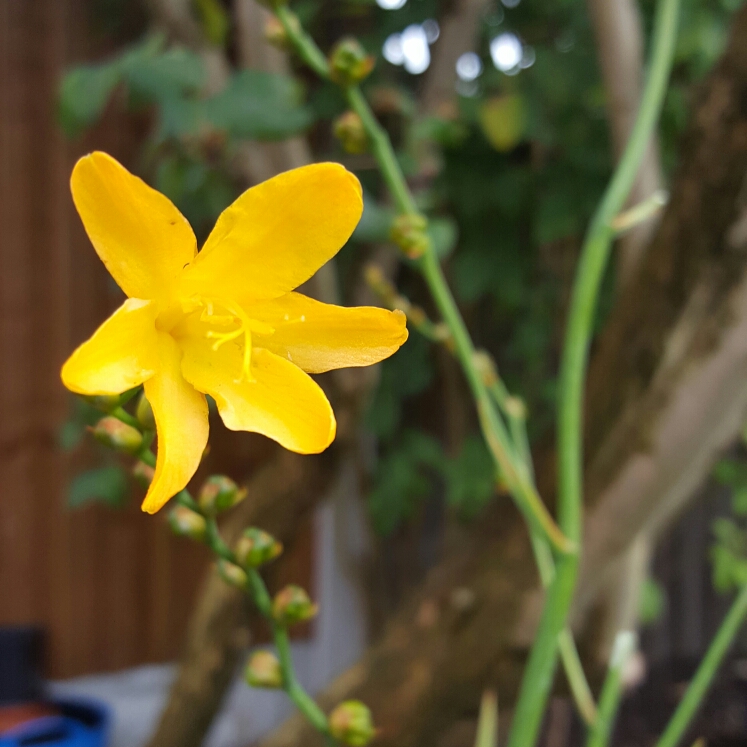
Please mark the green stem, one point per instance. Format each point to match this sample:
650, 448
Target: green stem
697, 689
540, 670
383, 151
256, 589
303, 701
522, 489
121, 414
304, 44
496, 435
609, 699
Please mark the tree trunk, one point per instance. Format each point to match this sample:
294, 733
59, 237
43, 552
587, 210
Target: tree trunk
667, 390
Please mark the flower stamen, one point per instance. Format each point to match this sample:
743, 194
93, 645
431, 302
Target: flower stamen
247, 326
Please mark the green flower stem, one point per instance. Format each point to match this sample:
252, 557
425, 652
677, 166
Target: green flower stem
260, 596
538, 676
496, 436
257, 590
574, 671
513, 411
609, 699
300, 697
121, 414
306, 47
383, 152
697, 689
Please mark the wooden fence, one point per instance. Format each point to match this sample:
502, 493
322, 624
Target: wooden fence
111, 587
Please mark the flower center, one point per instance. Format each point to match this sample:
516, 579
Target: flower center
231, 322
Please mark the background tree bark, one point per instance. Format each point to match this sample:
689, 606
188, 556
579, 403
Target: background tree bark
667, 391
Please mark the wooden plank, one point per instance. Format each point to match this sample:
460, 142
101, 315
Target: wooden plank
112, 588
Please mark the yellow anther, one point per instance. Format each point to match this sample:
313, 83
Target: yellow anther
236, 315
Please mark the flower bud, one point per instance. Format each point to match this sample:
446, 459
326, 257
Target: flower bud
219, 493
275, 33
348, 62
349, 130
409, 232
292, 605
256, 547
232, 574
185, 522
351, 723
263, 670
143, 474
144, 413
115, 434
104, 402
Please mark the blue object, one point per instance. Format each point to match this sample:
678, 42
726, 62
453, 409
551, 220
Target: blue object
81, 723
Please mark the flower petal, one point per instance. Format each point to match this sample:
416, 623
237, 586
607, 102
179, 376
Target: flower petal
143, 240
318, 337
121, 354
181, 415
282, 402
277, 235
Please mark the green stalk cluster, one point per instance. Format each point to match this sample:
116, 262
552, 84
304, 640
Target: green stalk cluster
196, 518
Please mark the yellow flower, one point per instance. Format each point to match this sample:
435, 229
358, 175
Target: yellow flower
224, 321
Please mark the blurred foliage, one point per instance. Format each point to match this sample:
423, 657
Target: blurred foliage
729, 549
652, 602
509, 176
108, 484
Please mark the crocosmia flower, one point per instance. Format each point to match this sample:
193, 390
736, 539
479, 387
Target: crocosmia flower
224, 321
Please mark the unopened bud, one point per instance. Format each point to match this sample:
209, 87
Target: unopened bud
115, 434
185, 522
349, 130
143, 474
256, 547
144, 413
275, 33
104, 402
219, 493
485, 366
348, 62
351, 723
409, 232
232, 574
292, 605
263, 670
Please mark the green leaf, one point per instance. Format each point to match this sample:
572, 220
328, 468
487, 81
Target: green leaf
259, 106
470, 478
444, 234
402, 480
403, 375
556, 216
652, 601
84, 92
106, 484
375, 222
70, 435
739, 501
160, 77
